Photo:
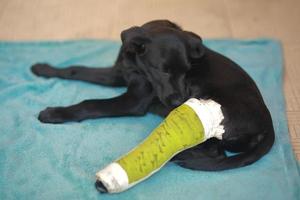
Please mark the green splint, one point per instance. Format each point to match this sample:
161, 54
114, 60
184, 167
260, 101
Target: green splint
188, 125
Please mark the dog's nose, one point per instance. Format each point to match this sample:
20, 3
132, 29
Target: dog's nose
100, 187
174, 100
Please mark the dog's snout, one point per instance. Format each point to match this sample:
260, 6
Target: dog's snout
174, 100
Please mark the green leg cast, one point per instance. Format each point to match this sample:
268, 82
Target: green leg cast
186, 126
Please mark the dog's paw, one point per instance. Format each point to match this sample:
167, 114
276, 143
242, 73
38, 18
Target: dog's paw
43, 69
53, 115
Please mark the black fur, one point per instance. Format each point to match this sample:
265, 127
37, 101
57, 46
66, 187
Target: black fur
163, 66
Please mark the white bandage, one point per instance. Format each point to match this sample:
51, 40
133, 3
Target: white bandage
210, 114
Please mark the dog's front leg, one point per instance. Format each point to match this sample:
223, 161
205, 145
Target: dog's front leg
133, 102
110, 76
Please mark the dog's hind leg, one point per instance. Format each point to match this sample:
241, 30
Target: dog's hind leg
110, 76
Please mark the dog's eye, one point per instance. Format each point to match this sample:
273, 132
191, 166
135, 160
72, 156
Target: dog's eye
140, 49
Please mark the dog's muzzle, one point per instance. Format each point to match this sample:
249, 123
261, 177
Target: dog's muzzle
174, 100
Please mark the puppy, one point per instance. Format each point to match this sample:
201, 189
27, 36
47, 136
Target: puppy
162, 66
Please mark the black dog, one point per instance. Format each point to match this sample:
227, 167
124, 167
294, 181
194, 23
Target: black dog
163, 66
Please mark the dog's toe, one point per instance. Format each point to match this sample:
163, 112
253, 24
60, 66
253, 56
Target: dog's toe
100, 187
51, 115
43, 69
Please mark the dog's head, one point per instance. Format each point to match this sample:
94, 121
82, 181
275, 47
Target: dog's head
163, 53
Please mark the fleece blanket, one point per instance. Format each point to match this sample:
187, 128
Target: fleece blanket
46, 161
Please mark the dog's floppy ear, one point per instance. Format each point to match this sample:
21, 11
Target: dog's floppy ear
130, 33
195, 47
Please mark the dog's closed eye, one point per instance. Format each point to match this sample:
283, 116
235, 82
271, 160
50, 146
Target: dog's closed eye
140, 49
135, 49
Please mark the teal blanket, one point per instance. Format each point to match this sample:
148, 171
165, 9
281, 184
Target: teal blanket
46, 161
